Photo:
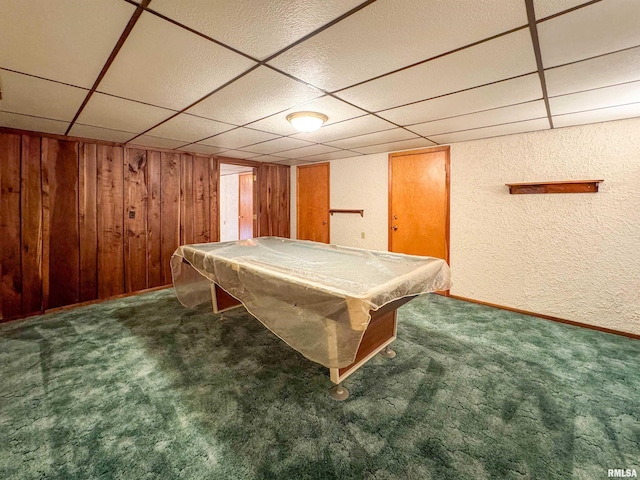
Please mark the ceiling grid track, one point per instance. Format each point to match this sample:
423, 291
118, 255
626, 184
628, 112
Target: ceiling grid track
389, 75
112, 57
258, 62
533, 29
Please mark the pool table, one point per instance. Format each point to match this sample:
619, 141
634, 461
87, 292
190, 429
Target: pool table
335, 305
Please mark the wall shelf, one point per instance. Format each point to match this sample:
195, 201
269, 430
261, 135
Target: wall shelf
568, 186
335, 210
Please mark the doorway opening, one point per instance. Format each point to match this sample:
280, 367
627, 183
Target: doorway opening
237, 201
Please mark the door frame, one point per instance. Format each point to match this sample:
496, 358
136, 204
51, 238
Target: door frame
446, 149
253, 198
243, 163
328, 164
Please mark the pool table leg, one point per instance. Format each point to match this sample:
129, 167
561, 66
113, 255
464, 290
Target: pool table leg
388, 352
222, 300
376, 339
380, 333
339, 392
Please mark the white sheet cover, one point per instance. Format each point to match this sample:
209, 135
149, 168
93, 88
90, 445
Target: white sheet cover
316, 297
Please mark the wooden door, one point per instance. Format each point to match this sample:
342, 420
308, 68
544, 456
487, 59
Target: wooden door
245, 208
419, 202
312, 201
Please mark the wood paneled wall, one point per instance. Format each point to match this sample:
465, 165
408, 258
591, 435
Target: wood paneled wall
81, 220
273, 201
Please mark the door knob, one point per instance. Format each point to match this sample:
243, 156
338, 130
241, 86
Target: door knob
394, 228
324, 223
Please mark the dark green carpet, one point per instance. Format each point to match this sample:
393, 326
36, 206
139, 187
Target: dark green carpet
144, 388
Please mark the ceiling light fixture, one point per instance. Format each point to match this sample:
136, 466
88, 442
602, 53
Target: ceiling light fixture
307, 121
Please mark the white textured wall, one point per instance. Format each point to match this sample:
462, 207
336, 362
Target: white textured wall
229, 203
573, 256
360, 183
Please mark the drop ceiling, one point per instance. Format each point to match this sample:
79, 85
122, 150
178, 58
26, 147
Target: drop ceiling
219, 78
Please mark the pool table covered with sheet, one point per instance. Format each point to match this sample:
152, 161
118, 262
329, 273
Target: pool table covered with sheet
320, 299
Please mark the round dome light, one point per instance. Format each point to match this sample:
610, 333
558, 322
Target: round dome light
307, 121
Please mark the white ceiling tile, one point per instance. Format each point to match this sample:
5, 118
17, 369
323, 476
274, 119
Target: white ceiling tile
151, 141
495, 131
592, 99
545, 8
307, 151
388, 35
599, 115
505, 57
600, 28
396, 146
165, 65
258, 94
295, 161
68, 41
277, 145
268, 158
332, 156
486, 118
36, 124
189, 128
97, 133
348, 128
386, 136
599, 72
241, 23
120, 114
507, 92
43, 98
202, 149
238, 138
238, 154
335, 109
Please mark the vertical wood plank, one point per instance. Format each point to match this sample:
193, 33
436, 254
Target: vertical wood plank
60, 200
2, 159
46, 221
135, 218
3, 154
284, 220
273, 200
88, 221
264, 200
154, 230
31, 227
186, 199
201, 214
214, 200
170, 211
110, 223
271, 212
11, 285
